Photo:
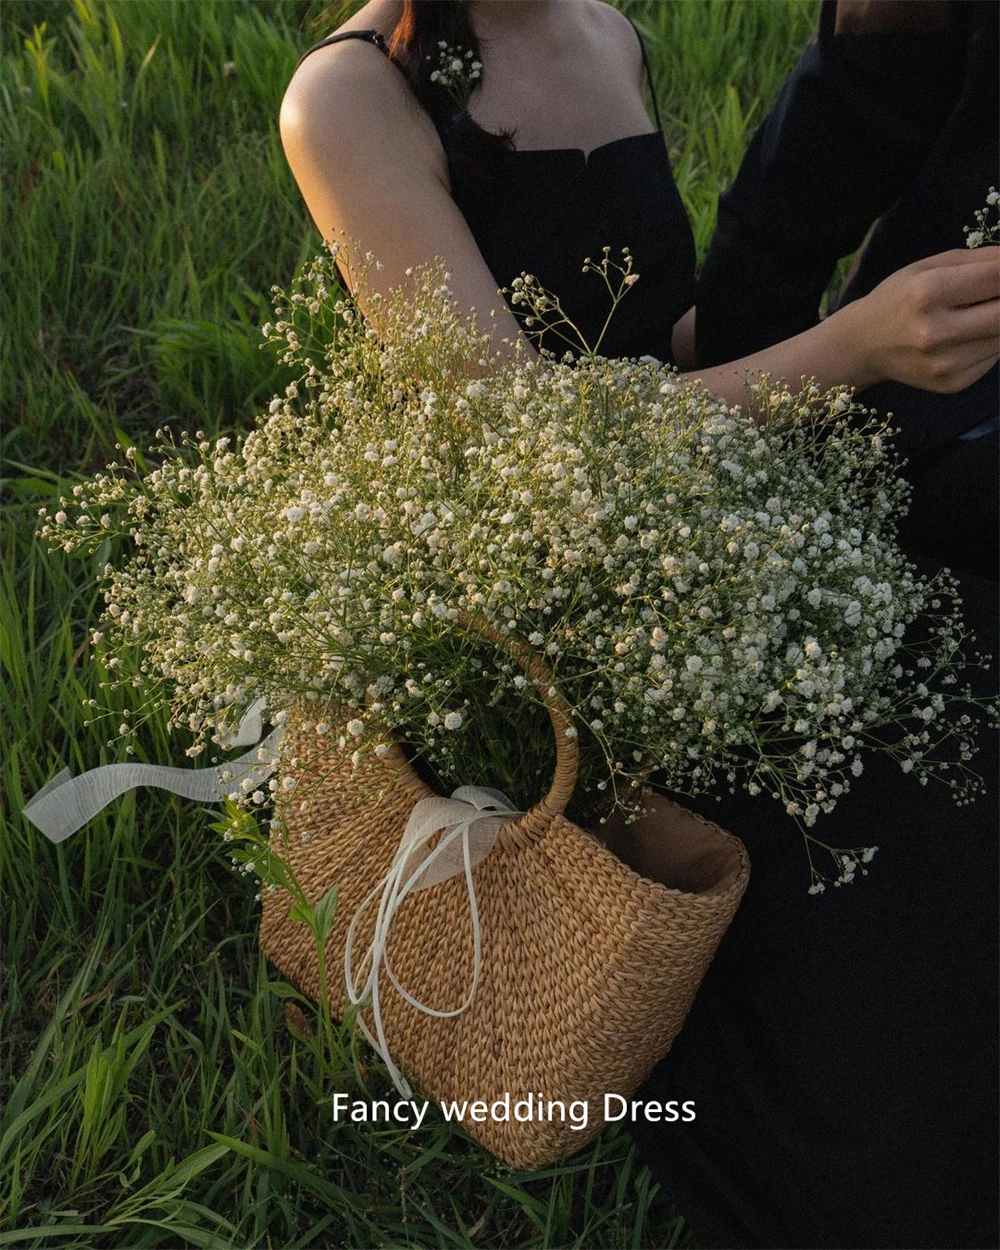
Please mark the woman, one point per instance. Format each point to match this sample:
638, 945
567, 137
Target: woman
587, 169
390, 160
898, 103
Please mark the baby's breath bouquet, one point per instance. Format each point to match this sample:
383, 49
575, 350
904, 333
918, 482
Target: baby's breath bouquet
721, 600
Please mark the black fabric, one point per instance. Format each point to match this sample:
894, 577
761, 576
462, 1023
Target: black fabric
901, 129
841, 1052
553, 208
366, 36
954, 517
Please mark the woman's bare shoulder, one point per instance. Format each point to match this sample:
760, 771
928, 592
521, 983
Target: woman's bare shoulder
348, 94
614, 29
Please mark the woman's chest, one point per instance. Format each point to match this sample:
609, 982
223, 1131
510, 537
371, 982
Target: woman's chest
566, 104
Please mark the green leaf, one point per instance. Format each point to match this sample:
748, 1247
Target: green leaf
281, 989
304, 914
325, 911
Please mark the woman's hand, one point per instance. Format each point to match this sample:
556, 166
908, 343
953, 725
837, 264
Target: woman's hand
934, 325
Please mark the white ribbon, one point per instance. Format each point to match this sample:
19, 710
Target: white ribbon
468, 823
66, 803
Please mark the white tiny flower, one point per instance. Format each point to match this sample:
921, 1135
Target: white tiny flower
453, 720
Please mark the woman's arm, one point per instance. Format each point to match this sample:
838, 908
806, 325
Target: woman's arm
934, 325
371, 169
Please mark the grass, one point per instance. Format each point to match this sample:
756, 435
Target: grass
161, 1086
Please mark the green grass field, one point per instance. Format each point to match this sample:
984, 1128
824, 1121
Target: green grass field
160, 1085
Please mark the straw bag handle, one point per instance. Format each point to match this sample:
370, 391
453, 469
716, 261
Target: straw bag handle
522, 830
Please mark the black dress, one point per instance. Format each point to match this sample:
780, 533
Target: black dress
843, 1050
839, 1052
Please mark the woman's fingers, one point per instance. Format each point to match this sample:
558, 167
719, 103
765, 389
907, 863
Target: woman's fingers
935, 324
962, 378
951, 280
974, 322
972, 281
951, 369
955, 257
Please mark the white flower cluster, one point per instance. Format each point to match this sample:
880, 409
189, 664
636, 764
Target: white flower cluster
719, 599
985, 232
457, 71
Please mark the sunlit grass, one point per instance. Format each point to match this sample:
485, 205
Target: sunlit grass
161, 1084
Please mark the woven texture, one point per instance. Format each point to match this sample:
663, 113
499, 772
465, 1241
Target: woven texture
589, 966
589, 969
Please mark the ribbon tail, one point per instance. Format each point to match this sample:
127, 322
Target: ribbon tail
66, 803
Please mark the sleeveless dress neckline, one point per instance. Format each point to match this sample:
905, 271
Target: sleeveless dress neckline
589, 156
545, 210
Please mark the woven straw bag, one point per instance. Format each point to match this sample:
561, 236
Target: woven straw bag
589, 965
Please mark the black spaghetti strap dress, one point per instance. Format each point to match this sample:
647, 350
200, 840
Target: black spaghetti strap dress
544, 212
842, 1050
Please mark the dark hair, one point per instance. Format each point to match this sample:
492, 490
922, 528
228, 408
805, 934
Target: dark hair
413, 45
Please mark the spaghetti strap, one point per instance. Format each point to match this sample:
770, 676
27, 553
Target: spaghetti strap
368, 36
649, 74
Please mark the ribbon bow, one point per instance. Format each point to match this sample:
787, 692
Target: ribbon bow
469, 823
